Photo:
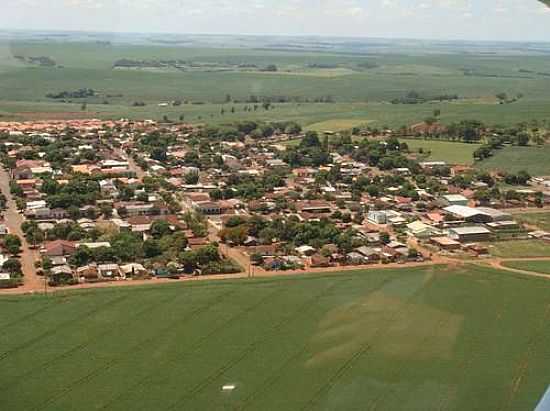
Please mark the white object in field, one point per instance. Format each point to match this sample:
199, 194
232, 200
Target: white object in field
228, 387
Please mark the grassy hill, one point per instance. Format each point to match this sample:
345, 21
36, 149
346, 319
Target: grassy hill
435, 338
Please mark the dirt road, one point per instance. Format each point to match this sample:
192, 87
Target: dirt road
13, 220
132, 165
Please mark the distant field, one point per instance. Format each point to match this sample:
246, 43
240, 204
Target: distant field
520, 249
535, 160
350, 80
450, 152
432, 339
337, 125
540, 220
377, 114
542, 267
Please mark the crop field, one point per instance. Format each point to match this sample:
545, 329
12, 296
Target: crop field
520, 249
337, 125
514, 159
541, 267
360, 86
540, 220
450, 152
431, 338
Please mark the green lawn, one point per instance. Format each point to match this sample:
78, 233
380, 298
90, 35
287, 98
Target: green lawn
514, 159
421, 339
520, 249
451, 152
542, 267
540, 220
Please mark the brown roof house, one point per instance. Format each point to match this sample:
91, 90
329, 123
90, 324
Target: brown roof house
59, 248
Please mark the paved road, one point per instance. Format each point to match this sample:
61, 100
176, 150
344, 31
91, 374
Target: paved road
13, 220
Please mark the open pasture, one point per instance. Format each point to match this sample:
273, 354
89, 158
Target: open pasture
448, 151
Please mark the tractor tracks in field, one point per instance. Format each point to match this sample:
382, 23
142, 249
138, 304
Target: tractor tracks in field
109, 330
197, 344
52, 331
301, 310
141, 345
363, 349
523, 365
272, 379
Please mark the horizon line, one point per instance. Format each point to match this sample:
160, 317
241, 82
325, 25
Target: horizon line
289, 35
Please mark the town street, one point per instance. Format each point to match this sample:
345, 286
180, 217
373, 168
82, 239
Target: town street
13, 220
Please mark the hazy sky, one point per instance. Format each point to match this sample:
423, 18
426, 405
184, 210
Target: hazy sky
443, 19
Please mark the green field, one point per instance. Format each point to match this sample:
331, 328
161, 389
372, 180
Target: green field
541, 267
23, 86
418, 339
539, 220
450, 152
514, 159
520, 249
337, 125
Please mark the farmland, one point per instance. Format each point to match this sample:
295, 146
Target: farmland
358, 86
520, 249
514, 159
433, 338
541, 267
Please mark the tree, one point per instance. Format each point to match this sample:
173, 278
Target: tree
189, 261
106, 210
502, 96
151, 248
385, 238
236, 235
311, 139
12, 244
82, 256
523, 177
34, 236
13, 266
160, 228
159, 154
191, 178
47, 263
257, 259
522, 139
539, 199
127, 246
413, 253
